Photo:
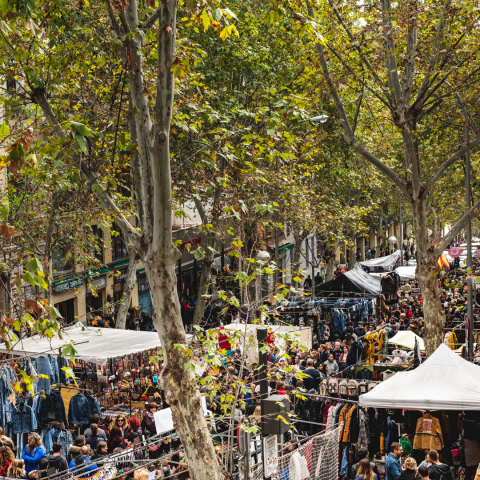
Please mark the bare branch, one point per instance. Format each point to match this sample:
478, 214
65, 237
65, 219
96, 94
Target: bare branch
357, 112
113, 19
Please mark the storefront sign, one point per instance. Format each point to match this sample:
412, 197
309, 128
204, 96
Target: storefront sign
97, 283
270, 457
68, 285
120, 277
193, 241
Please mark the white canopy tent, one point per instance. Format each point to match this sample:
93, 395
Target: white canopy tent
385, 262
406, 338
444, 381
406, 273
93, 344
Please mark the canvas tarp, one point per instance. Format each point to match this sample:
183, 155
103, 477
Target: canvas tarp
93, 344
406, 339
444, 381
353, 281
406, 273
385, 262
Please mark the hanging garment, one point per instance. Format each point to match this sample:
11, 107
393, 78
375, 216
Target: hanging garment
23, 419
364, 434
297, 467
428, 434
348, 423
382, 344
344, 465
452, 340
78, 411
392, 435
372, 339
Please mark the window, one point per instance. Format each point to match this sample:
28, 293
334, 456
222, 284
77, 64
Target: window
97, 251
62, 261
119, 247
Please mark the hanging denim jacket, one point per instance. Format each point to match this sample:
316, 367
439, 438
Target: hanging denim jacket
23, 419
66, 439
93, 406
43, 367
51, 409
56, 372
78, 411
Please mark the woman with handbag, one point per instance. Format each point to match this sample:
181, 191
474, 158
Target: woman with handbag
148, 422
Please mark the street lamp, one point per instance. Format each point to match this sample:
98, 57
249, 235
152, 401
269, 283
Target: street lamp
263, 256
319, 119
392, 240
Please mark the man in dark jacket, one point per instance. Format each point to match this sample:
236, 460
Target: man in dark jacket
437, 470
314, 375
56, 462
359, 331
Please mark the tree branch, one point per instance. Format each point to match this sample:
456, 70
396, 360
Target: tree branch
456, 229
460, 153
150, 21
132, 234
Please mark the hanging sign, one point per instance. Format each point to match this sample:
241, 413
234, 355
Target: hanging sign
270, 457
455, 252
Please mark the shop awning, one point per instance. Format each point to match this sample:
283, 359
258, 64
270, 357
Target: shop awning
93, 344
444, 381
406, 338
385, 262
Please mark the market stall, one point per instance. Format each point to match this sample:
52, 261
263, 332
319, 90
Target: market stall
351, 282
386, 262
407, 339
444, 381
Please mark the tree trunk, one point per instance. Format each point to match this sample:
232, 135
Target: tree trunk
330, 265
205, 277
295, 263
177, 379
380, 235
427, 276
129, 285
5, 304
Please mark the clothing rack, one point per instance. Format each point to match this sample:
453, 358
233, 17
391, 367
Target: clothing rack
338, 399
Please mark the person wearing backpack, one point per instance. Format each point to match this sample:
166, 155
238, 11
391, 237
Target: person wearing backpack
82, 462
365, 471
95, 437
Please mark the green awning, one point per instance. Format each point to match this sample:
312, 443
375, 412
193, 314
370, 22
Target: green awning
286, 247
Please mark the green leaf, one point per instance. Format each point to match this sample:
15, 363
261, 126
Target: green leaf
29, 278
69, 374
81, 142
3, 266
97, 188
217, 14
4, 130
81, 129
5, 210
69, 350
54, 313
34, 265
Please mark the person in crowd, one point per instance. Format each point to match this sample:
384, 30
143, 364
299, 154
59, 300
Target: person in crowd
94, 438
133, 431
437, 470
409, 471
17, 469
74, 449
148, 422
82, 462
365, 471
338, 352
331, 366
4, 440
33, 452
43, 468
311, 382
362, 453
56, 461
423, 472
120, 422
102, 451
116, 439
393, 467
101, 433
6, 459
146, 323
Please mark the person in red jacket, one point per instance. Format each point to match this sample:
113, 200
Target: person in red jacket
224, 340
